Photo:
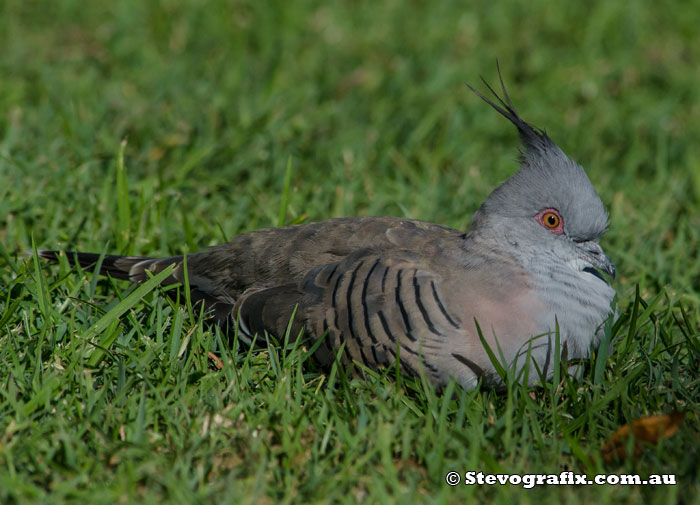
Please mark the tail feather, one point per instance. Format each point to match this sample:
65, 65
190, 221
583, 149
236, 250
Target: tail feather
137, 269
119, 267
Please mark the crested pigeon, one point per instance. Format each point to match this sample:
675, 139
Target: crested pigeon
438, 301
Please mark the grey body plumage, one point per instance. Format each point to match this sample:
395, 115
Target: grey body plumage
398, 288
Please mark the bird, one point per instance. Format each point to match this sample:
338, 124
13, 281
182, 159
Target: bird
425, 298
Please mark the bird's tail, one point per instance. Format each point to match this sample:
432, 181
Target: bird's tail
138, 268
132, 268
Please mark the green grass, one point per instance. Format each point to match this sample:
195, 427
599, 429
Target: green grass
163, 127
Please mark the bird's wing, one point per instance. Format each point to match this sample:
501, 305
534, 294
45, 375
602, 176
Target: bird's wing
277, 256
387, 306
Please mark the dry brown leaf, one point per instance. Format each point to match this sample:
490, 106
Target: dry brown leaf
649, 429
218, 364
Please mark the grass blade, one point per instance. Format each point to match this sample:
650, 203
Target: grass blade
112, 315
123, 209
285, 193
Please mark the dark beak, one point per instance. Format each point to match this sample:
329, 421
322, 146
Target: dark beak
594, 255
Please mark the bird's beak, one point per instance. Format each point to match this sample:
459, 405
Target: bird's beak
594, 255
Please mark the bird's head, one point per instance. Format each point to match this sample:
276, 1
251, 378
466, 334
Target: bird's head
549, 202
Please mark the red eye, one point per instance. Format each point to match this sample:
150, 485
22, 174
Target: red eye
551, 219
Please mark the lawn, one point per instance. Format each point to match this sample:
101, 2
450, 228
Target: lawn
158, 128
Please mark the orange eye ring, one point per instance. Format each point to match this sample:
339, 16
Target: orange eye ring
551, 220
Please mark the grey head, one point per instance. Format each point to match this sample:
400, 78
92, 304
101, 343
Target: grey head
549, 200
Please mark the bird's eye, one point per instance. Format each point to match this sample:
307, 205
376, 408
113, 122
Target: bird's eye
551, 219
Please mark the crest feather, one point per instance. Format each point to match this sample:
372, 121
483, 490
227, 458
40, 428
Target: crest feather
533, 138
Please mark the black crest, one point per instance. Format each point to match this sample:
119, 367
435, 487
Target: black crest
532, 137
